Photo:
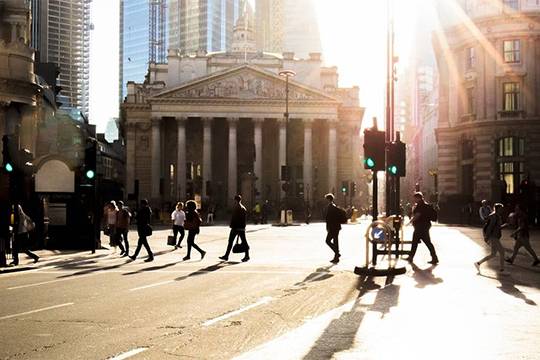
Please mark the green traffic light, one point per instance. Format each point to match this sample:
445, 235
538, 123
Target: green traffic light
90, 174
393, 169
370, 162
8, 167
343, 190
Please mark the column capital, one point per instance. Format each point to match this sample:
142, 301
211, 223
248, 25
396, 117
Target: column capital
233, 120
155, 120
308, 122
181, 120
207, 121
257, 120
332, 122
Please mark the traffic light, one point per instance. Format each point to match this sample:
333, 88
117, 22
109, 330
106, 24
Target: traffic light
395, 162
7, 152
300, 190
285, 173
374, 149
353, 189
90, 154
344, 187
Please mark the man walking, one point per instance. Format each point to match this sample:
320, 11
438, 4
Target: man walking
333, 226
493, 236
423, 214
484, 211
143, 229
122, 227
521, 236
238, 228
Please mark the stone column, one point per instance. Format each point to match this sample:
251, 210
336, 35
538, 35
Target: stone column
131, 138
207, 154
232, 181
332, 155
181, 158
282, 149
257, 140
308, 159
156, 158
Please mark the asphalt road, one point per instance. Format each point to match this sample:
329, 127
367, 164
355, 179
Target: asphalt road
288, 302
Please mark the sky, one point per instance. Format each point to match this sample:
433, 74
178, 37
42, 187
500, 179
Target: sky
353, 34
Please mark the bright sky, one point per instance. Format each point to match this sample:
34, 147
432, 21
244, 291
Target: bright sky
353, 34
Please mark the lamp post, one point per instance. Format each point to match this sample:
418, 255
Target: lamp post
286, 74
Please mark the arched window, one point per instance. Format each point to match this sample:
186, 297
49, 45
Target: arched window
510, 153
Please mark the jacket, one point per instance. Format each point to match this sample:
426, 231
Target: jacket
421, 213
332, 217
143, 216
122, 219
238, 218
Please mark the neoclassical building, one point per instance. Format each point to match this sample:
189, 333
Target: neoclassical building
212, 125
488, 132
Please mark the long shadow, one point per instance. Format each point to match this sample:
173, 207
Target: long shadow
425, 277
320, 274
94, 269
508, 286
152, 268
340, 334
208, 269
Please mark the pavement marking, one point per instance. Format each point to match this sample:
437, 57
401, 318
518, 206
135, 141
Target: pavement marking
129, 353
35, 311
264, 300
52, 281
151, 285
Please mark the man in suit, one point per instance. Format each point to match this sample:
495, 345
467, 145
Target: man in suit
333, 226
238, 228
421, 222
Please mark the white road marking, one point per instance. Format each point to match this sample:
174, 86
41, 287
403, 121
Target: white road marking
35, 311
52, 281
152, 285
264, 300
128, 354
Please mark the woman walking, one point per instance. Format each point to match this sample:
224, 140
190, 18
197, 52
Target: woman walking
23, 226
493, 237
178, 217
521, 235
192, 225
143, 229
110, 215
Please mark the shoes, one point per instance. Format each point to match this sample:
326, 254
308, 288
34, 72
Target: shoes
36, 259
132, 258
150, 259
508, 260
335, 260
434, 261
125, 254
121, 253
245, 259
224, 258
13, 264
177, 247
186, 258
477, 266
203, 254
536, 262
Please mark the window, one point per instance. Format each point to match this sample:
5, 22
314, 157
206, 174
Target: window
471, 58
511, 51
470, 101
510, 152
510, 96
512, 4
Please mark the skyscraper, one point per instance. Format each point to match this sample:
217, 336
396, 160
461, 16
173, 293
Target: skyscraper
287, 25
61, 34
202, 24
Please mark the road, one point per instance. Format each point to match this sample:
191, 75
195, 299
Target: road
288, 302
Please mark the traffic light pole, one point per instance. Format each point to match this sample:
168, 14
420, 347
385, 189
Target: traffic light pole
375, 210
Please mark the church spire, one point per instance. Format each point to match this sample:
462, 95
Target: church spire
244, 31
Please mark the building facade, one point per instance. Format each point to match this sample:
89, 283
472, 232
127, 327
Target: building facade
61, 30
489, 115
212, 125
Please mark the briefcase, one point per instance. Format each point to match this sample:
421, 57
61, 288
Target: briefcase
171, 240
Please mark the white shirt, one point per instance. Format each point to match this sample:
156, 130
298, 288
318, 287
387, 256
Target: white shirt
178, 216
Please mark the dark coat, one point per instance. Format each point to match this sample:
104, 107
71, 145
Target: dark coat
422, 211
332, 217
143, 216
238, 218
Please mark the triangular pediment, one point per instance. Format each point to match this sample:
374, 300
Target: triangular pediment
244, 82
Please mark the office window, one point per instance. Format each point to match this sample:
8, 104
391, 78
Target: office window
510, 152
470, 101
511, 4
510, 96
511, 51
471, 58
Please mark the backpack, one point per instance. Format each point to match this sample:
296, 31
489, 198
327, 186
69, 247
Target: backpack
431, 213
342, 215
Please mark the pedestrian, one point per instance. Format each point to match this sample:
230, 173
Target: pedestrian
332, 215
210, 215
23, 225
238, 228
493, 237
422, 216
484, 211
123, 217
192, 224
257, 210
265, 211
521, 236
111, 210
144, 230
178, 217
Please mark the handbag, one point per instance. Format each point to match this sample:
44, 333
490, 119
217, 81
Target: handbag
171, 240
239, 246
148, 231
107, 231
29, 225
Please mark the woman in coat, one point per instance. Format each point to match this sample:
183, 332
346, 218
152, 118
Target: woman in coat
192, 225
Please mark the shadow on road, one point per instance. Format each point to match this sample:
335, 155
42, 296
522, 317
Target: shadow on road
340, 334
425, 277
508, 286
208, 269
320, 274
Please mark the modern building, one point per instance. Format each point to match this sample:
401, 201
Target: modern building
61, 35
211, 125
489, 113
287, 25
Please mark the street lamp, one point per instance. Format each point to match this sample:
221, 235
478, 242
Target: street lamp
286, 74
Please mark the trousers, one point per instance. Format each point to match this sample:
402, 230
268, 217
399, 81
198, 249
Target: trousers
422, 234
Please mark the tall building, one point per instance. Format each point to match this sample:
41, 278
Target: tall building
202, 24
143, 38
61, 35
489, 86
287, 25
